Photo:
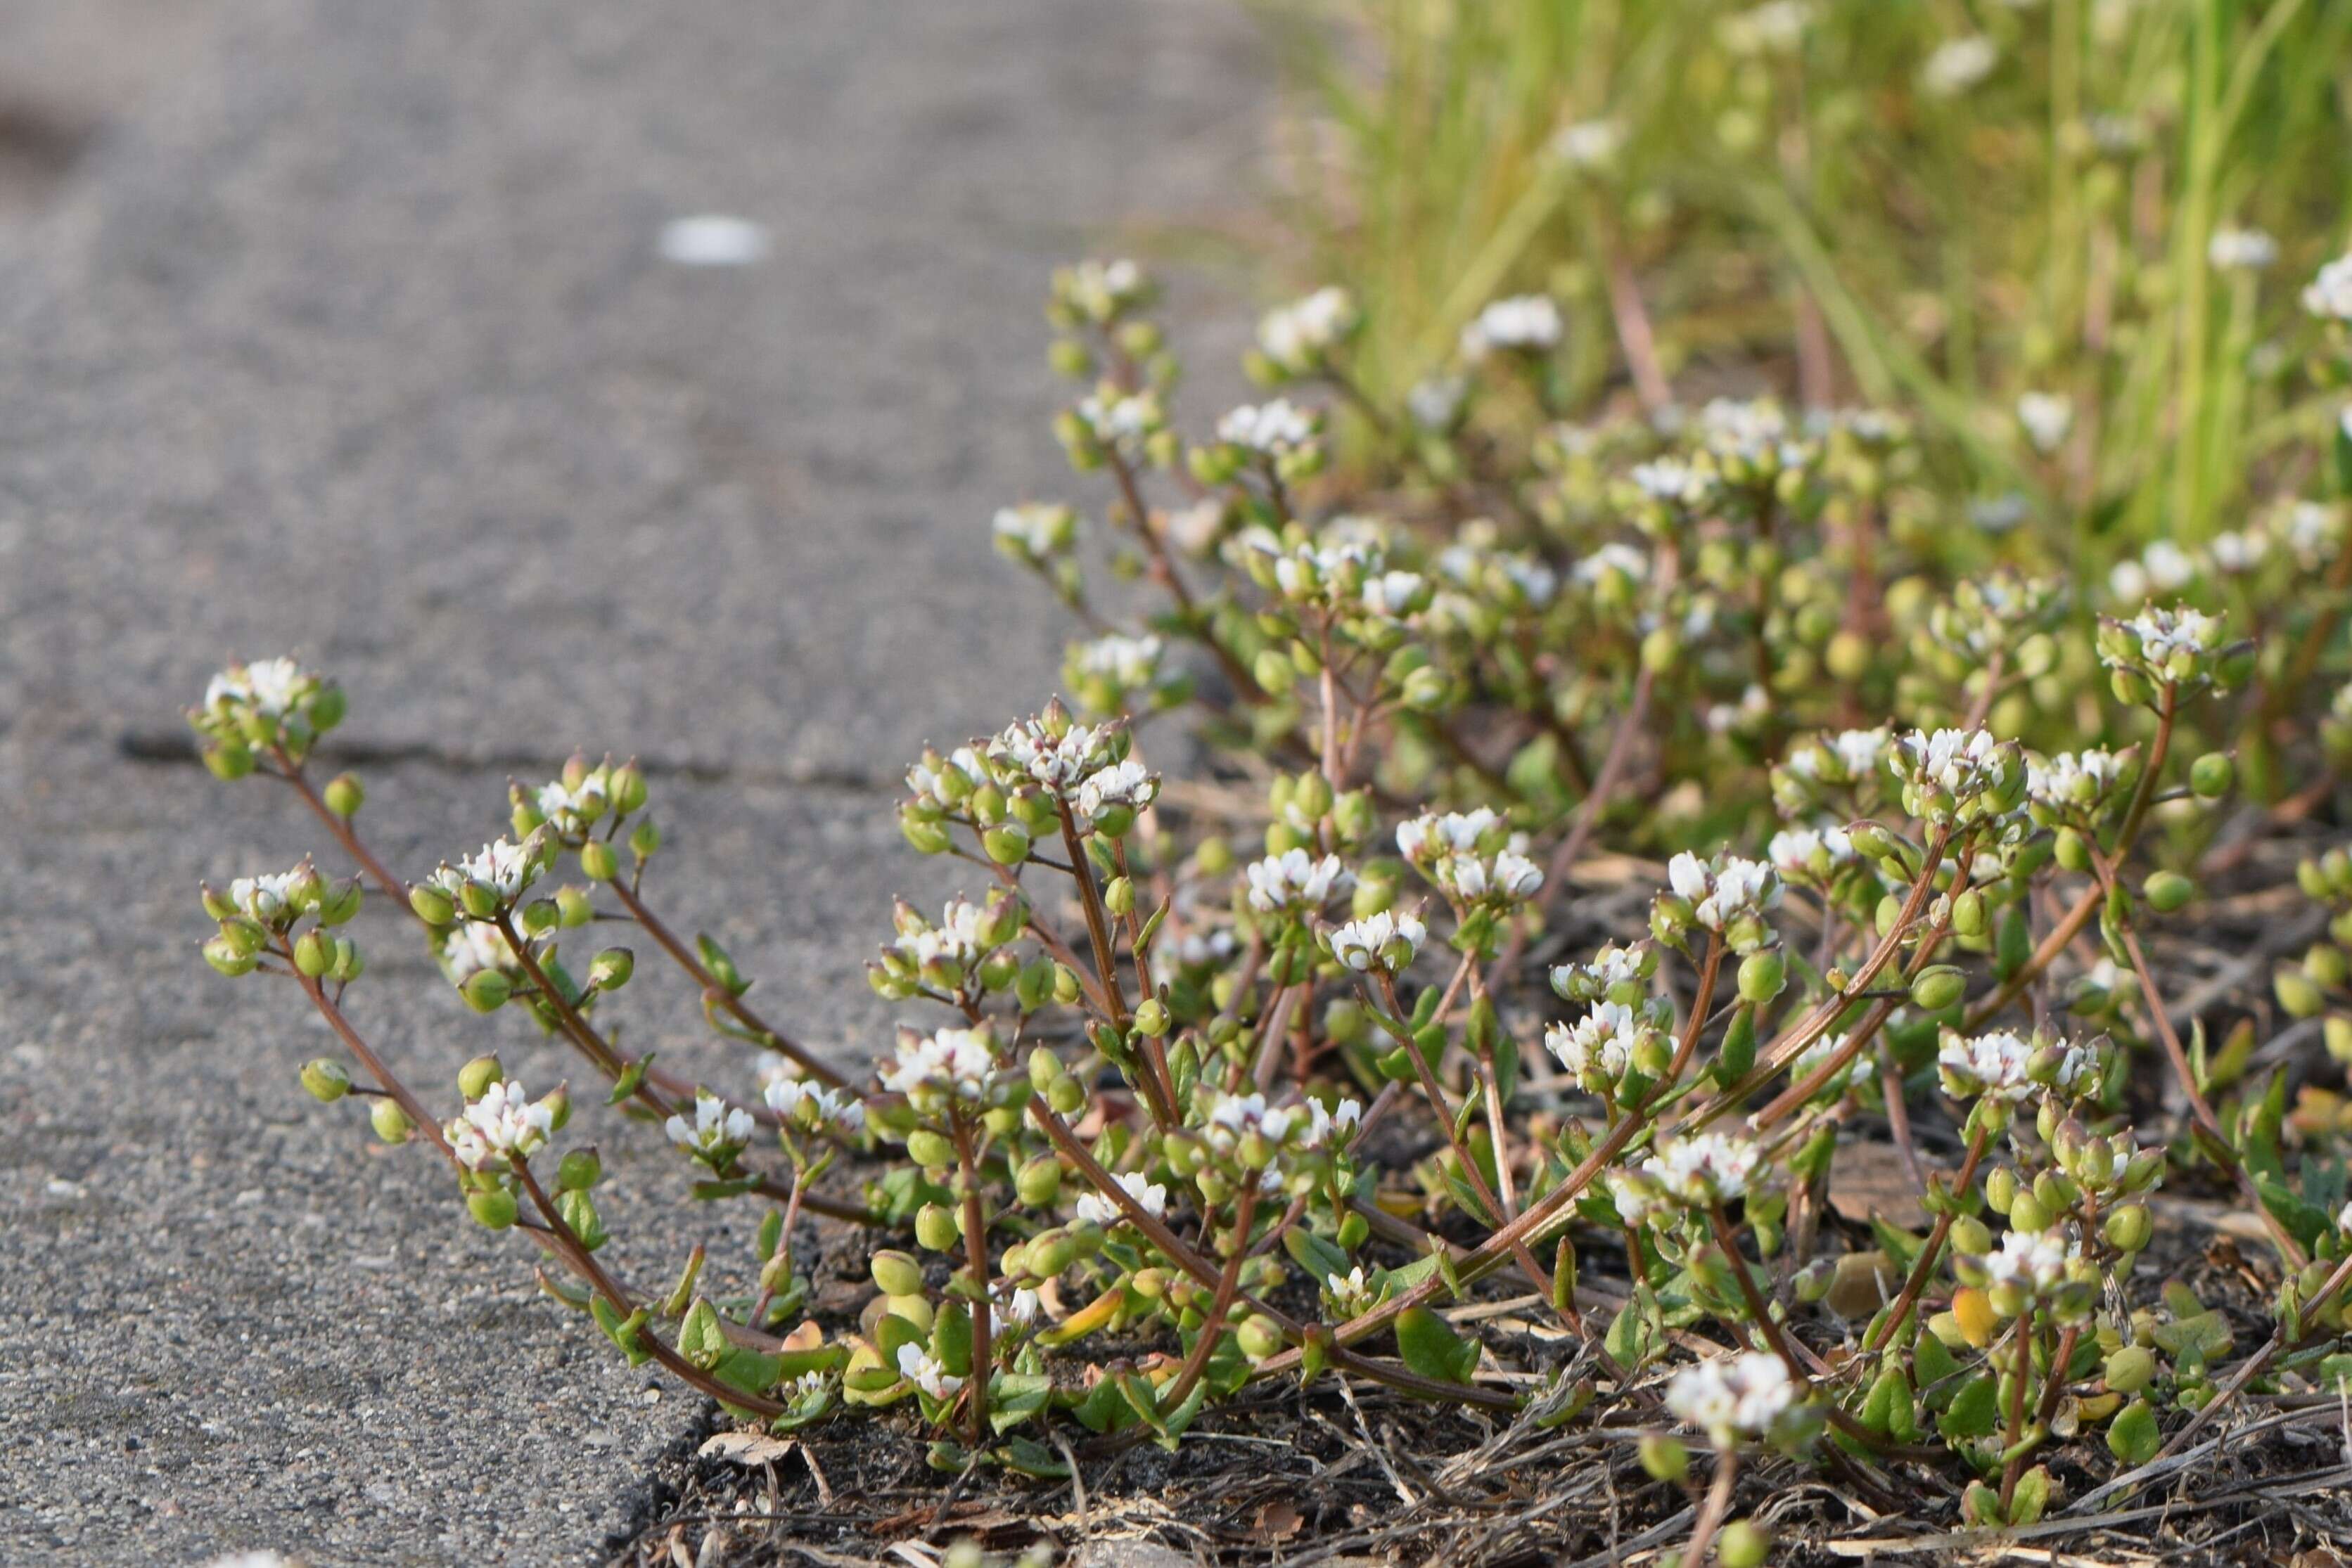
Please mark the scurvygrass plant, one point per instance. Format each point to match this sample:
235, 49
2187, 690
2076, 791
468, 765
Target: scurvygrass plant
1259, 1074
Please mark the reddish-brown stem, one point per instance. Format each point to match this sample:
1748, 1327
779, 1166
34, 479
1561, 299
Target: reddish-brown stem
1213, 1325
975, 1243
1925, 1264
713, 991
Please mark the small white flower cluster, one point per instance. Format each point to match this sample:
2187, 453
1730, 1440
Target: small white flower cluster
1435, 403
1060, 756
718, 1132
1957, 64
1955, 775
1393, 595
274, 898
2046, 418
1528, 323
1385, 941
268, 688
1994, 1066
1229, 1118
504, 1125
2329, 295
1671, 482
1487, 575
1151, 1198
1696, 1172
1271, 429
966, 932
2162, 646
1988, 615
1124, 787
1597, 1048
2241, 250
2035, 1263
1122, 421
948, 1063
927, 1371
2075, 781
2311, 531
570, 808
473, 946
2163, 567
1621, 973
1102, 291
1728, 897
1298, 338
1615, 571
1111, 671
1828, 763
1750, 439
1034, 531
1808, 1061
1733, 1397
1295, 883
1333, 1128
505, 868
1449, 850
813, 1106
1811, 856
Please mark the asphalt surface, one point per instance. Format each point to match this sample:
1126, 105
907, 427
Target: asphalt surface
340, 326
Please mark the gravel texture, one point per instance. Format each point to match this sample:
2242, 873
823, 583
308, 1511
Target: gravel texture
341, 327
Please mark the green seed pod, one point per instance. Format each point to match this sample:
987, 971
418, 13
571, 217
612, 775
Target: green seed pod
230, 760
1665, 1457
597, 861
2296, 994
579, 1170
645, 839
936, 1228
2026, 1213
611, 969
1039, 1182
2127, 1229
2167, 891
391, 1123
1761, 976
486, 990
326, 1078
1744, 1543
493, 1207
2073, 851
432, 906
345, 795
1066, 1096
314, 954
474, 1079
1970, 1236
896, 1273
627, 788
1938, 987
226, 956
1152, 1017
1259, 1337
1050, 1252
1969, 917
930, 1150
2213, 774
1007, 843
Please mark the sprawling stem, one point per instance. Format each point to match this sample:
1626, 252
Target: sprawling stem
1925, 1264
975, 1243
713, 991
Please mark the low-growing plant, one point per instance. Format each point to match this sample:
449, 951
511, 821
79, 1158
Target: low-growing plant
1170, 1115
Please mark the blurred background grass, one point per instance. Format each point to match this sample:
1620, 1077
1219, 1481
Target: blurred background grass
1919, 204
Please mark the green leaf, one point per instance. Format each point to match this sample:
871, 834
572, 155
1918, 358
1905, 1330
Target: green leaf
1932, 1361
1974, 1410
631, 1078
1433, 1349
1027, 1456
1014, 1396
1313, 1253
891, 1332
951, 1337
2132, 1436
701, 1338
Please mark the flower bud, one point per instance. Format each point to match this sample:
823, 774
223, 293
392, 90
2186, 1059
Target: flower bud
1119, 895
474, 1079
391, 1123
643, 840
486, 990
345, 795
2073, 850
611, 969
896, 1273
493, 1207
326, 1078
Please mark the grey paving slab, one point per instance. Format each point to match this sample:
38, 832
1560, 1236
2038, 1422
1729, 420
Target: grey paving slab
339, 326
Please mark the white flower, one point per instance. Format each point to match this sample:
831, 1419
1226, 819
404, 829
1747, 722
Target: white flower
505, 867
1529, 322
959, 937
1333, 1127
2046, 418
2311, 529
1993, 1065
1435, 402
2035, 1262
2071, 778
1271, 428
1432, 835
1060, 764
1099, 291
1385, 940
1036, 530
1999, 514
950, 1061
1707, 1168
1294, 881
1613, 559
1609, 969
269, 687
803, 1102
270, 895
581, 802
1021, 1308
2329, 295
927, 1371
1129, 663
1671, 480
1959, 65
1815, 1055
1597, 1048
1810, 852
1299, 337
1391, 592
2237, 552
1587, 144
1515, 876
1732, 1397
1122, 784
716, 1125
2164, 633
1232, 1117
502, 1124
1123, 420
474, 947
1725, 893
1149, 1196
2241, 250
1959, 762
